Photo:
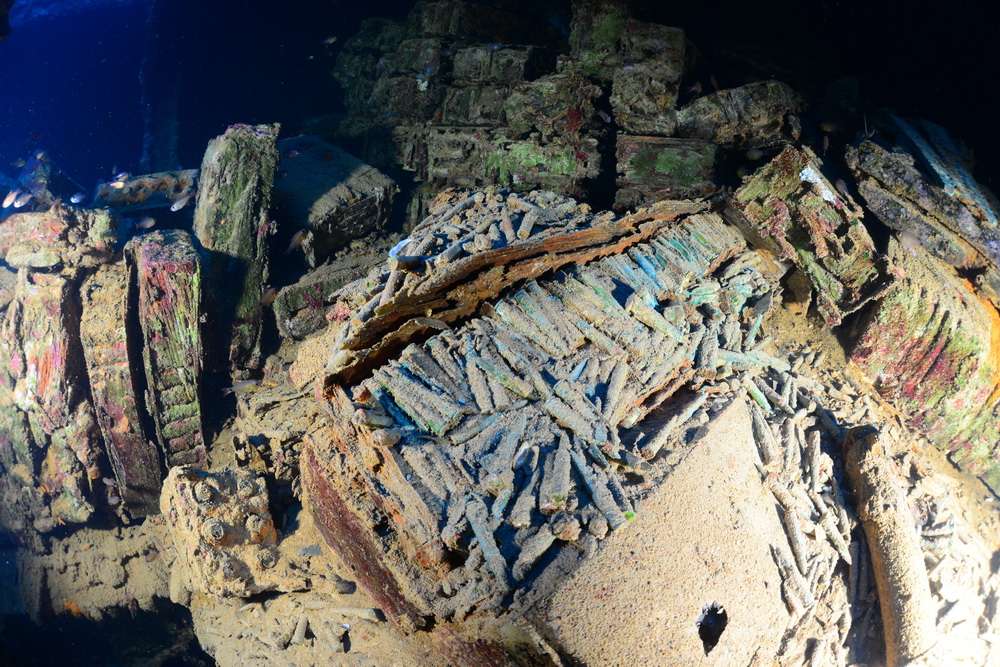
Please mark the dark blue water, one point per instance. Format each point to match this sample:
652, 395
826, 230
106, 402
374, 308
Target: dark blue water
69, 81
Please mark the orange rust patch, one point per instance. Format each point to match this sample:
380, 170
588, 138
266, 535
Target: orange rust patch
993, 358
72, 607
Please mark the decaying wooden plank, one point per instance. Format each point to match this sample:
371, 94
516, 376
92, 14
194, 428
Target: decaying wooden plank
232, 226
106, 337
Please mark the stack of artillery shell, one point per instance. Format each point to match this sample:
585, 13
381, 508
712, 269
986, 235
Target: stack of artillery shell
517, 428
469, 249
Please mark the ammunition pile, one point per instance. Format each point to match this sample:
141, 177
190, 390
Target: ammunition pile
541, 419
470, 248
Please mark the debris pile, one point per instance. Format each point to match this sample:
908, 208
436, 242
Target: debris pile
519, 423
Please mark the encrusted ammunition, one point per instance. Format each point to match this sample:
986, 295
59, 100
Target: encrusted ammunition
603, 298
555, 484
452, 252
594, 480
774, 397
791, 576
814, 453
500, 504
570, 293
793, 445
570, 392
496, 236
441, 354
475, 511
423, 365
371, 419
653, 445
541, 319
763, 435
755, 394
480, 388
616, 383
779, 488
752, 331
517, 320
386, 403
386, 437
796, 539
507, 227
417, 460
570, 418
638, 305
470, 428
553, 310
833, 534
520, 514
528, 221
392, 286
432, 412
599, 339
506, 347
532, 549
494, 366
707, 356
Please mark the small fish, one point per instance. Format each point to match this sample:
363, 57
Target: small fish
297, 240
742, 171
431, 322
603, 115
292, 152
330, 41
715, 84
114, 500
281, 174
40, 155
909, 241
269, 295
77, 198
495, 46
123, 176
826, 143
146, 223
841, 187
241, 387
22, 199
695, 88
108, 481
755, 154
56, 206
117, 185
11, 196
18, 163
829, 126
180, 203
398, 247
613, 59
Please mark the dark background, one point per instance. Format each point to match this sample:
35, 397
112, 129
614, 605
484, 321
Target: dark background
69, 83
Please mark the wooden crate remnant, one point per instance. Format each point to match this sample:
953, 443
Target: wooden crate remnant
169, 282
